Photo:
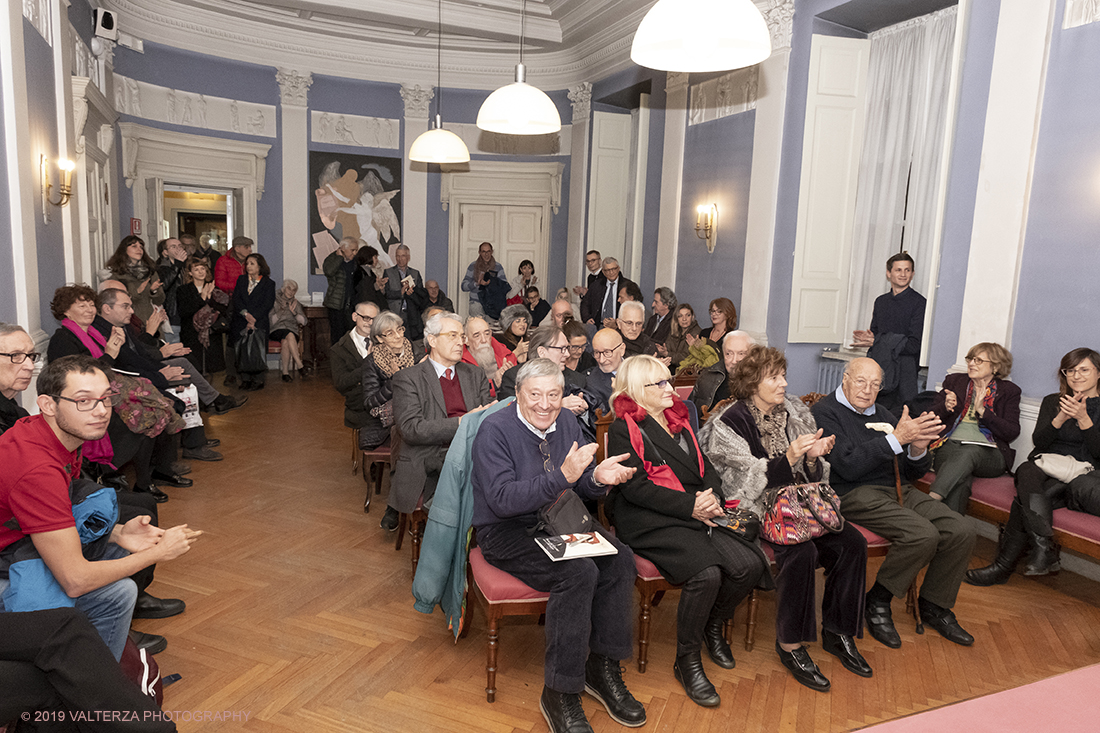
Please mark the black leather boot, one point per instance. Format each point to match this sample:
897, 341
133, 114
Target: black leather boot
689, 672
715, 640
1011, 549
603, 680
563, 712
1039, 519
1044, 557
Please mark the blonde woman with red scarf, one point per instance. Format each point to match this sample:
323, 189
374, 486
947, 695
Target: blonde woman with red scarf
666, 513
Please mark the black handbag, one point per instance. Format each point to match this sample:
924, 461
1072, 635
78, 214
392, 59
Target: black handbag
252, 352
565, 515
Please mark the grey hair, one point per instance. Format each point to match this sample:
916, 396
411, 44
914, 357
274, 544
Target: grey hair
349, 242
288, 281
610, 261
632, 304
668, 298
7, 329
383, 322
742, 334
434, 326
401, 247
471, 319
535, 368
110, 296
851, 364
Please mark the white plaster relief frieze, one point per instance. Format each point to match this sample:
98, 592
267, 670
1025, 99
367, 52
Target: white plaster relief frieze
779, 15
1080, 12
729, 94
293, 87
177, 107
416, 100
676, 80
355, 130
37, 12
492, 143
85, 62
581, 97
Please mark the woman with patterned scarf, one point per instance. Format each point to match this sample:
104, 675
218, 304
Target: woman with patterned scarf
980, 411
389, 352
134, 268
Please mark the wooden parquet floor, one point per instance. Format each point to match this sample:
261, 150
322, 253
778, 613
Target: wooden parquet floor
300, 617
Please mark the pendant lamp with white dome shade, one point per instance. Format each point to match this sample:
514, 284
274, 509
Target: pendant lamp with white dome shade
438, 145
701, 36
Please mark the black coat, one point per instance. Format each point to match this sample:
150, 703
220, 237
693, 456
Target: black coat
655, 521
206, 359
596, 295
258, 303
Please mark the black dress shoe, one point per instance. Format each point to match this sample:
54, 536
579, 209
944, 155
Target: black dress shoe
172, 479
803, 668
288, 378
148, 606
225, 403
389, 519
563, 712
151, 643
213, 443
688, 670
943, 621
229, 380
843, 647
715, 641
603, 680
880, 623
152, 490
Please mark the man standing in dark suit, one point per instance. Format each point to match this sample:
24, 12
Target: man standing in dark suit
592, 261
429, 400
604, 305
406, 299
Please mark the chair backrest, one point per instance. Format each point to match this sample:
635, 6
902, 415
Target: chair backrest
687, 376
718, 409
812, 398
603, 422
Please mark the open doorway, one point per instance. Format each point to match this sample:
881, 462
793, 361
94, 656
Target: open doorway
204, 214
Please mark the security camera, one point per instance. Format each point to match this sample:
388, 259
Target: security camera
106, 25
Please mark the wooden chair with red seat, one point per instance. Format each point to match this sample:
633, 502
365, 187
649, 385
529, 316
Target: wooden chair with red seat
414, 523
500, 594
379, 458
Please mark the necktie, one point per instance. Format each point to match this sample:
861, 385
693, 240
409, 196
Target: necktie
447, 374
609, 301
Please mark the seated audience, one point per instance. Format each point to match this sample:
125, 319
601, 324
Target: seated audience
659, 325
630, 322
390, 351
629, 292
482, 350
253, 299
287, 318
683, 332
713, 385
42, 457
762, 442
548, 342
17, 360
515, 322
437, 297
980, 411
429, 400
137, 272
922, 530
346, 362
579, 360
560, 312
1067, 426
563, 294
523, 459
667, 518
536, 306
201, 307
608, 348
723, 319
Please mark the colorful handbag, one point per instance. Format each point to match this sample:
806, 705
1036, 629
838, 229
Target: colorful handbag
800, 512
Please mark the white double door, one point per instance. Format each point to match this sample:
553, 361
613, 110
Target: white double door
516, 233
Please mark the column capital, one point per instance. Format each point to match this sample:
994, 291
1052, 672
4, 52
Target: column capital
416, 100
293, 86
676, 81
581, 98
779, 15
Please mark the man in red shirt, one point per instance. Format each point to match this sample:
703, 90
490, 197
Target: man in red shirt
41, 456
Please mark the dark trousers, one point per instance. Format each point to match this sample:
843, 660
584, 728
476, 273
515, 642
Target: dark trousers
956, 465
844, 557
339, 323
715, 591
131, 505
590, 600
55, 661
147, 454
922, 531
1040, 495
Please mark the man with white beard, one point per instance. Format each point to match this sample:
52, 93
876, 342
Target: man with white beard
486, 352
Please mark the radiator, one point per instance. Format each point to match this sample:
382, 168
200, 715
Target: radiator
831, 370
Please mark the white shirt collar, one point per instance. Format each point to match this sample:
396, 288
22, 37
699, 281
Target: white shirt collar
541, 434
362, 343
844, 401
441, 370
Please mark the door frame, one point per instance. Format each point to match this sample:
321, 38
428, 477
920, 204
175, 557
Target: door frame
497, 184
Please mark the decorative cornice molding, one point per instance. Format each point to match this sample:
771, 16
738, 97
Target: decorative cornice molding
480, 142
417, 99
363, 132
176, 107
581, 97
729, 94
1080, 12
293, 87
779, 15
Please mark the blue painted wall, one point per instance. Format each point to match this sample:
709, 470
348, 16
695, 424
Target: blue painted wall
1055, 306
7, 268
717, 169
82, 19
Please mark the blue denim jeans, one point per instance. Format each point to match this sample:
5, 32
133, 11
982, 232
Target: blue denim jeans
109, 608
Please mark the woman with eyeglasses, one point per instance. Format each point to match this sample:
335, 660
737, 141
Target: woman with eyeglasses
666, 514
980, 411
390, 352
1067, 426
578, 360
723, 319
767, 440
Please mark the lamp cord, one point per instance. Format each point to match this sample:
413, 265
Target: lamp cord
439, 66
522, 27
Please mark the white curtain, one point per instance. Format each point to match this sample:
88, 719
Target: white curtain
908, 78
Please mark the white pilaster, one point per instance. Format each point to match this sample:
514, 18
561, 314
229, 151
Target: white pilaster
414, 197
294, 112
672, 176
1004, 182
76, 265
771, 107
581, 97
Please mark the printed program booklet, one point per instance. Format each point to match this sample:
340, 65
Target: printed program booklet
581, 544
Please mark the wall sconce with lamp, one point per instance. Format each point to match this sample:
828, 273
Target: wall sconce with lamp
706, 224
64, 190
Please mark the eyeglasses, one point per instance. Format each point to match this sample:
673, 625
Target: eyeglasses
662, 384
977, 360
1078, 372
364, 316
715, 310
576, 349
606, 352
631, 323
544, 449
559, 349
87, 404
19, 357
862, 384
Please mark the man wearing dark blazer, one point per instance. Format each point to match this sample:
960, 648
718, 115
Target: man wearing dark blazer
346, 360
609, 349
603, 306
659, 324
593, 262
397, 292
429, 400
548, 342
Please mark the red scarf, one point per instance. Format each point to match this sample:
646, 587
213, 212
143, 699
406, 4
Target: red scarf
677, 416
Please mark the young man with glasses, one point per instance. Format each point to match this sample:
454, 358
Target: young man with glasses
42, 456
871, 444
523, 459
346, 359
